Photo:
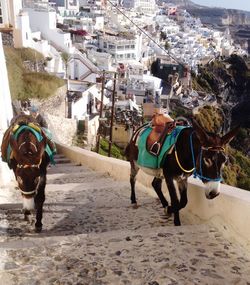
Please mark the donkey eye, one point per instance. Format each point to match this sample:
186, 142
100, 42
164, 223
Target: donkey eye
207, 161
19, 180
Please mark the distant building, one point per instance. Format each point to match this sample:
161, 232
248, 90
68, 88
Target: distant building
67, 4
144, 6
164, 66
122, 48
8, 12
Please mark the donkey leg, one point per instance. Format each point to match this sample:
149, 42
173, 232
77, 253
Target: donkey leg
133, 172
174, 200
27, 214
157, 183
182, 185
39, 200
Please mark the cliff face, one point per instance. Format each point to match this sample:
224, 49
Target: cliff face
218, 16
213, 16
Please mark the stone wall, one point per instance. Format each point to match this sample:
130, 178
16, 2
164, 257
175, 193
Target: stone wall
7, 39
34, 66
62, 129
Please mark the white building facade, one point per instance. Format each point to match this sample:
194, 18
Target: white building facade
6, 112
144, 6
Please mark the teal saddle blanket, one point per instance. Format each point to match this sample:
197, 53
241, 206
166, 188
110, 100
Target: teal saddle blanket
50, 152
145, 158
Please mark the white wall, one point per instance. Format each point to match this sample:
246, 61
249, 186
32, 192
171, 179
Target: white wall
15, 6
22, 33
6, 112
45, 21
79, 108
230, 211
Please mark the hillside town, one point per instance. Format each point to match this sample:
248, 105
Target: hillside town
133, 56
121, 122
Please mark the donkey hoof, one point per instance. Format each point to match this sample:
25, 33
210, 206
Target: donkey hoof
135, 206
177, 223
168, 211
38, 229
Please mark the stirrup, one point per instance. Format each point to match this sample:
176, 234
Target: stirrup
155, 148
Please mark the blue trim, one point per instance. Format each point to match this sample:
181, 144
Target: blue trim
195, 173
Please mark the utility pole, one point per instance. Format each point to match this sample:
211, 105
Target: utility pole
112, 116
100, 115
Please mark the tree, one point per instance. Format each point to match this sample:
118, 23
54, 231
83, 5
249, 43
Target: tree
65, 58
167, 45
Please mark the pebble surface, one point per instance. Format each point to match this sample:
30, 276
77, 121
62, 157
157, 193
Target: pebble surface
92, 236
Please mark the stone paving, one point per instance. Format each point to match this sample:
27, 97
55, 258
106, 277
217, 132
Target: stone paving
92, 236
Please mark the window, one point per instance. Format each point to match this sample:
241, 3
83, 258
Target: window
105, 45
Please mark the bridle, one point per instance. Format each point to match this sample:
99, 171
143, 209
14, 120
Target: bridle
24, 166
199, 173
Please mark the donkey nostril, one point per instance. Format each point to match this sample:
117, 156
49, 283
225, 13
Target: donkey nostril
213, 194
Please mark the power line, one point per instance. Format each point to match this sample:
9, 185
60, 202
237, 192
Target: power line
143, 32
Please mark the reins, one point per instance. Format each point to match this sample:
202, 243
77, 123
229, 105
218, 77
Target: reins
194, 169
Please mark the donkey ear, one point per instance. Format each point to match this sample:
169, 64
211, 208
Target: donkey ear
230, 135
201, 134
14, 146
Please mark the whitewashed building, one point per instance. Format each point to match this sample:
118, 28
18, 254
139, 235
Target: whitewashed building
44, 20
122, 48
81, 68
6, 112
144, 6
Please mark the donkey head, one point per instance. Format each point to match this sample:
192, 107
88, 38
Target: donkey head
211, 158
27, 151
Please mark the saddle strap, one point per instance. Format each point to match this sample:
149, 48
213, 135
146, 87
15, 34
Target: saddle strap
156, 146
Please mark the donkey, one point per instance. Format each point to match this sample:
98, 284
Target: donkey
23, 148
194, 152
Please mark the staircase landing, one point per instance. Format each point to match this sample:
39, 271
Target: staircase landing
93, 236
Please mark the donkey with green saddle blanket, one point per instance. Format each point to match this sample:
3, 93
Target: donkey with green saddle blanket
26, 149
194, 151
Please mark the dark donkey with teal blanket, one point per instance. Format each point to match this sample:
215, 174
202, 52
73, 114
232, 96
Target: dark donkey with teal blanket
190, 150
28, 151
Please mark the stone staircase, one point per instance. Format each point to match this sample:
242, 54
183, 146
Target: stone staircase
93, 236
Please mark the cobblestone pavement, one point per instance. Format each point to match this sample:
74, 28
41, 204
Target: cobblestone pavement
92, 236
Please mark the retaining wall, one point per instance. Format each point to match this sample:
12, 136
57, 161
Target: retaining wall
230, 211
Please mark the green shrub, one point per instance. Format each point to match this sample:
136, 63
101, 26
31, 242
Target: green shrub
41, 85
115, 150
23, 84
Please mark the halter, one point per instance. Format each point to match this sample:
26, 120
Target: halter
194, 169
28, 193
29, 165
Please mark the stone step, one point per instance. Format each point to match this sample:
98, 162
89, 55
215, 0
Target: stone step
62, 160
58, 155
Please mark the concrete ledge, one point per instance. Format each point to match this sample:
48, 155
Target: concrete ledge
230, 211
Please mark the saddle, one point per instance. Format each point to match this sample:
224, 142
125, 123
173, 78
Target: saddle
15, 124
162, 125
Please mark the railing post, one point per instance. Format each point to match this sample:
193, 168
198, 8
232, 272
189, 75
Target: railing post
100, 115
112, 116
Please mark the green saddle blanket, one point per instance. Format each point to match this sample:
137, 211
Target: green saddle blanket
145, 158
50, 152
